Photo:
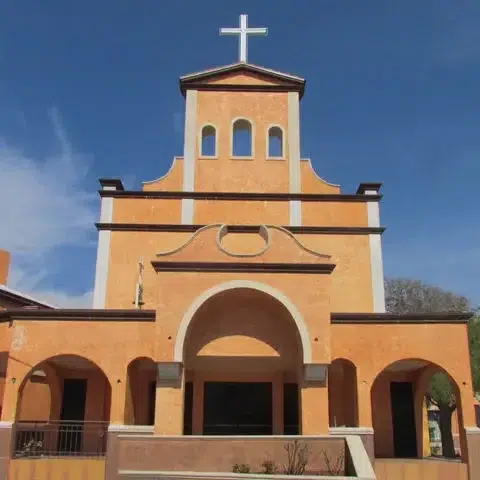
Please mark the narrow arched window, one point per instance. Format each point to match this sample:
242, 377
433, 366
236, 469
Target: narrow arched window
242, 138
275, 142
208, 141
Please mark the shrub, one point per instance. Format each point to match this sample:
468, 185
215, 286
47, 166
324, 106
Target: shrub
269, 467
298, 455
241, 468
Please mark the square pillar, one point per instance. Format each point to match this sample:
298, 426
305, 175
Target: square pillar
6, 447
277, 404
169, 399
364, 402
314, 400
197, 414
473, 449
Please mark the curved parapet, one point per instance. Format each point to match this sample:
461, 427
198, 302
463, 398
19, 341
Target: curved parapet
312, 182
171, 181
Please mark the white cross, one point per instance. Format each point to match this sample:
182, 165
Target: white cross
243, 31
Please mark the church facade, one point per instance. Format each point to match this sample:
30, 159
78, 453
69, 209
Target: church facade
238, 295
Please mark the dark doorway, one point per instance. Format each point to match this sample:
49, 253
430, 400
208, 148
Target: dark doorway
237, 408
403, 419
188, 409
290, 409
72, 415
152, 387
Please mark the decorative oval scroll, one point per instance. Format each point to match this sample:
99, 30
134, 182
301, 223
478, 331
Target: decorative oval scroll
262, 232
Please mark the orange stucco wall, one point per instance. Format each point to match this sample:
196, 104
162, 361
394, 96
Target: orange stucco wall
4, 266
350, 280
57, 469
234, 175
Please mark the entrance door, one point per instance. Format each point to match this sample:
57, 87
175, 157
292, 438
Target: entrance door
237, 408
403, 418
72, 415
290, 409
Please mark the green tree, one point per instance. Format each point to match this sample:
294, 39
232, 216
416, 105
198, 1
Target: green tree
404, 295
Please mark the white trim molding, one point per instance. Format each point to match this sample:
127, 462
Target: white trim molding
103, 252
231, 285
294, 156
267, 143
376, 257
200, 142
295, 213
361, 462
343, 431
126, 429
189, 155
472, 430
252, 140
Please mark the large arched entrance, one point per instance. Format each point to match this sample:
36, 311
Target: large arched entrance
242, 356
63, 409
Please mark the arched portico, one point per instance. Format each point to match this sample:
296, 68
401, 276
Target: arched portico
241, 337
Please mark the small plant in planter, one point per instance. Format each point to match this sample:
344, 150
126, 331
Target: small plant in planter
269, 467
241, 468
334, 468
298, 455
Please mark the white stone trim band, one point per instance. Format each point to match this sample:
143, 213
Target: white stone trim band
189, 155
103, 253
360, 460
294, 156
376, 258
124, 429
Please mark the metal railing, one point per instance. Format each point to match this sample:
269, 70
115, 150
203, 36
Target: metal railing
60, 439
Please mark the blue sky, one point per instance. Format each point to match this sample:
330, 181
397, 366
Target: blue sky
90, 89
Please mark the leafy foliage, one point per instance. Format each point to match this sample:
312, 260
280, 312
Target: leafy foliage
405, 295
474, 341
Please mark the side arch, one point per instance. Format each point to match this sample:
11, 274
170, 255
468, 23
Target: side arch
178, 353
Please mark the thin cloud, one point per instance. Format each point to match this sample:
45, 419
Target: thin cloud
47, 206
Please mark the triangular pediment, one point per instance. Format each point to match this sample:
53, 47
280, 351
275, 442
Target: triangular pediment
242, 75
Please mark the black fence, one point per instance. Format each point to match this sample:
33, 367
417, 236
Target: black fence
60, 439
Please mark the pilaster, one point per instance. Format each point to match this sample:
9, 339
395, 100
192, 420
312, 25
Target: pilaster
294, 156
6, 447
197, 414
314, 400
277, 404
103, 247
375, 242
189, 155
169, 399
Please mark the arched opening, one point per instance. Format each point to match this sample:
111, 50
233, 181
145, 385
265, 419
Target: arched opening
243, 357
342, 394
402, 415
208, 142
242, 138
63, 409
275, 142
140, 392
